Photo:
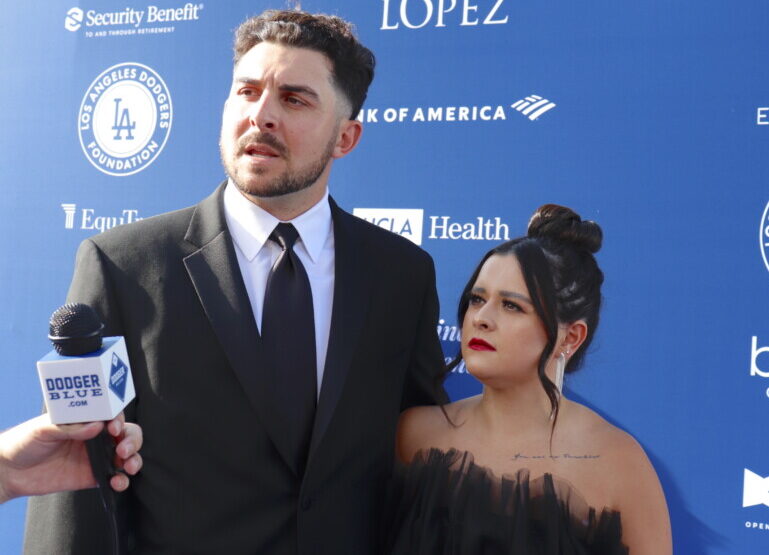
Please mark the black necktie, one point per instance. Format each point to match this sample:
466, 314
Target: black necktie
288, 333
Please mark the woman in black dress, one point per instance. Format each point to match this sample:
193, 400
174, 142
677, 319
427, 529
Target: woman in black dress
520, 469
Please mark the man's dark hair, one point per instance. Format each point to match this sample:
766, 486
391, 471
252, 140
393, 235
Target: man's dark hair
352, 63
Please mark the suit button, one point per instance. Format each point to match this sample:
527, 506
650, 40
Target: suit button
306, 503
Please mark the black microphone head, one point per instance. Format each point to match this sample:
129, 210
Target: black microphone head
75, 329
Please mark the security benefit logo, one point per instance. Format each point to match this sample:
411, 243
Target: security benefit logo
74, 19
147, 20
125, 119
755, 491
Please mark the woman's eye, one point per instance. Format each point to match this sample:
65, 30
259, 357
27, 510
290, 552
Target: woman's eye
510, 305
475, 299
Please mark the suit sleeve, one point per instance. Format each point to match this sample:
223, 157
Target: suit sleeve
75, 522
424, 379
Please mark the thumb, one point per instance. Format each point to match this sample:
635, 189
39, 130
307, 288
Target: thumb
80, 432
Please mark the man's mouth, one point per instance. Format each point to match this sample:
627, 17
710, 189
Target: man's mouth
259, 149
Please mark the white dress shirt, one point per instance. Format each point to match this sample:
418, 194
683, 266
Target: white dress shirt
251, 226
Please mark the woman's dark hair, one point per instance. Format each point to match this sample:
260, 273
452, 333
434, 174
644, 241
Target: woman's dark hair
562, 276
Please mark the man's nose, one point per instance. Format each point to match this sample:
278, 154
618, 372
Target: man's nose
263, 114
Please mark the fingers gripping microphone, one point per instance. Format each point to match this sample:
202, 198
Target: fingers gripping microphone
86, 378
75, 330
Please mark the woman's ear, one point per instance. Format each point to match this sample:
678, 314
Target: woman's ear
572, 337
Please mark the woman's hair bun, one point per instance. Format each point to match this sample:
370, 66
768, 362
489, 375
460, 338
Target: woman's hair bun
562, 224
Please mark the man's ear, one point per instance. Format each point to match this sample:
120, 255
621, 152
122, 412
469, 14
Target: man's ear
350, 131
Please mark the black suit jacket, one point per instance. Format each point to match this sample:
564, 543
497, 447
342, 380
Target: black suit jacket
215, 479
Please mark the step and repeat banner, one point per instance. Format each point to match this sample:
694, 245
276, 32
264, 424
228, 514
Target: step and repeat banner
650, 118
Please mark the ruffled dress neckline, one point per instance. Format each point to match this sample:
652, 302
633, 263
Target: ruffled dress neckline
444, 503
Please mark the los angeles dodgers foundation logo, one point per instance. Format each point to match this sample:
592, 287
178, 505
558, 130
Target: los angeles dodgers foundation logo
125, 119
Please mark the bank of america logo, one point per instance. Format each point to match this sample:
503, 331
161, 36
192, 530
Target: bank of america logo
533, 106
69, 215
755, 490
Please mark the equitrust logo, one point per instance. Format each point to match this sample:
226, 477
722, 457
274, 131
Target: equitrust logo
532, 106
87, 219
148, 20
125, 119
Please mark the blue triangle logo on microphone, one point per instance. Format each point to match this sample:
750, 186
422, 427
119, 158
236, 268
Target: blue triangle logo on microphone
118, 377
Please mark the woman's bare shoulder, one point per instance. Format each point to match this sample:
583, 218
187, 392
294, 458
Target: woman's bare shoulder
635, 487
428, 426
624, 460
601, 435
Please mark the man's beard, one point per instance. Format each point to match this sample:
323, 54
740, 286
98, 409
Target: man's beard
285, 183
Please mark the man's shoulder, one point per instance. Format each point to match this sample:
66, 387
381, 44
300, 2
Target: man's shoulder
167, 229
155, 241
155, 230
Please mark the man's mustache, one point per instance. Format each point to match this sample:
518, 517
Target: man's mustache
262, 138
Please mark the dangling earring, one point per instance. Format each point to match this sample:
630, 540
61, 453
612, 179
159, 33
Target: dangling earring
560, 368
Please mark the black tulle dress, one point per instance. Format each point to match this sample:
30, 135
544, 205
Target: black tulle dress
444, 504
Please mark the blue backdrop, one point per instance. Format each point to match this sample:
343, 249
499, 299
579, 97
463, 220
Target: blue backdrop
651, 118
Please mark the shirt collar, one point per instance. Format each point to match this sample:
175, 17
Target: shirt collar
251, 226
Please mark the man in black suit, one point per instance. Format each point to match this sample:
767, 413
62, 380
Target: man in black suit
234, 462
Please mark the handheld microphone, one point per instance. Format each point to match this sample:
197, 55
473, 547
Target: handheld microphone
85, 379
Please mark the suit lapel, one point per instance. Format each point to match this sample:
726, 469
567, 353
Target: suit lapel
351, 294
215, 274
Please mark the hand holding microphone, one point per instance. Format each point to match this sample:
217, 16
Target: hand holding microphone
85, 379
37, 457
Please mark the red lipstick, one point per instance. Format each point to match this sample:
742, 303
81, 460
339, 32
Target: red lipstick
477, 344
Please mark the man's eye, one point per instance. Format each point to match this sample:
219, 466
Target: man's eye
294, 100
